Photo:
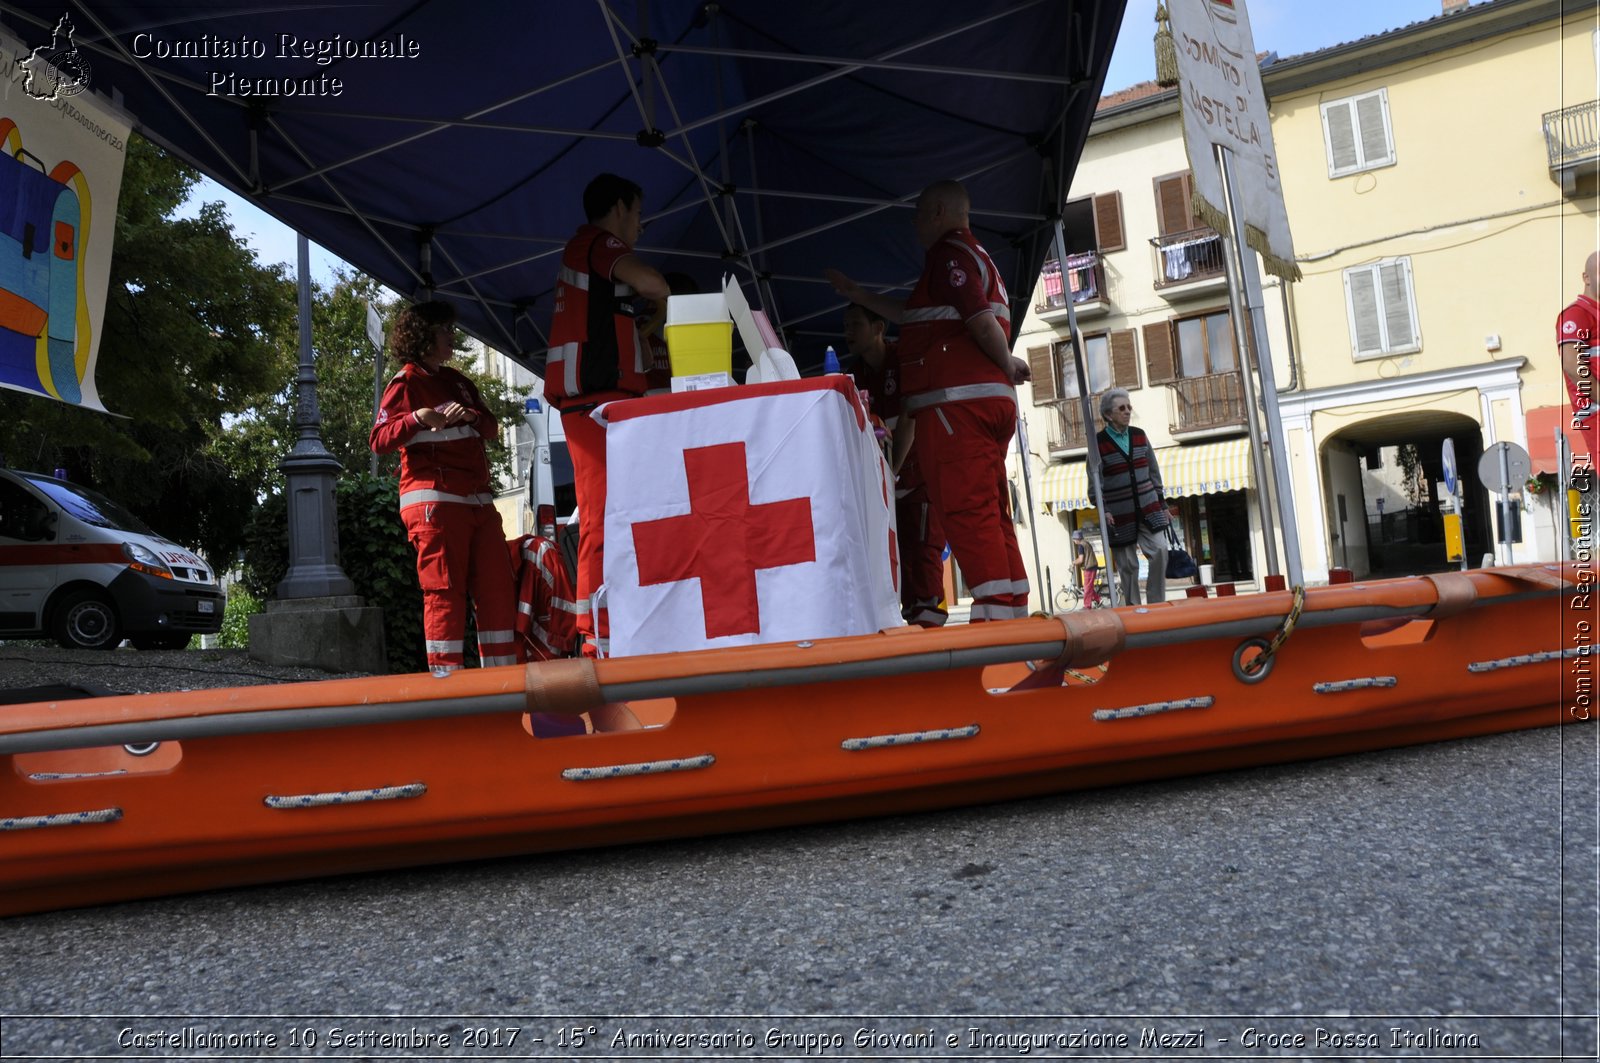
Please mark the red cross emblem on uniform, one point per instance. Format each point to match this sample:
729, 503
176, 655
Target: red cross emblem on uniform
724, 540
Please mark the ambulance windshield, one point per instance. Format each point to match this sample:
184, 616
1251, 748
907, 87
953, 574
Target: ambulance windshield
91, 507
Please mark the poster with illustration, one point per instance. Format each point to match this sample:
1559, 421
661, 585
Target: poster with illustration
60, 174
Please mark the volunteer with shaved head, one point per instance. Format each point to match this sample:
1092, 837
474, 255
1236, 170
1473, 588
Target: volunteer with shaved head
959, 380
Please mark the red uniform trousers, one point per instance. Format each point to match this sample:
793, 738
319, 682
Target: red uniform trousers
586, 442
921, 543
460, 537
961, 447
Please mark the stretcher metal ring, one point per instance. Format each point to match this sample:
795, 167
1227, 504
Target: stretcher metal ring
1262, 670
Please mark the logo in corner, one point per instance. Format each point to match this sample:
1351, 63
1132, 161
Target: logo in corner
57, 70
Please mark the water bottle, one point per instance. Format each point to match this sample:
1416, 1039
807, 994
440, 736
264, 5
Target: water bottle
830, 361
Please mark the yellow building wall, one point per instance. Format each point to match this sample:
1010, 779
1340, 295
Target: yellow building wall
1495, 248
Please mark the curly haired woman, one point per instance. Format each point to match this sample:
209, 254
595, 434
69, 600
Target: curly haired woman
436, 418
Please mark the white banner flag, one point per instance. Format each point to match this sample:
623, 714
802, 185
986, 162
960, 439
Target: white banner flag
1219, 82
60, 178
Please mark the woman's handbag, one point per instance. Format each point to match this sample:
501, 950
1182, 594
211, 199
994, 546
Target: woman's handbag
1179, 564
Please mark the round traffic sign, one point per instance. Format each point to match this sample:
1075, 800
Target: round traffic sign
1504, 476
1450, 466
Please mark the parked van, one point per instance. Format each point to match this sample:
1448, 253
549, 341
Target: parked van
77, 567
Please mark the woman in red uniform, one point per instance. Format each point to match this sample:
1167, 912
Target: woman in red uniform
437, 420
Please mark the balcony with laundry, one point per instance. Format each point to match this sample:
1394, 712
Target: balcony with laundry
1079, 280
1189, 263
1572, 143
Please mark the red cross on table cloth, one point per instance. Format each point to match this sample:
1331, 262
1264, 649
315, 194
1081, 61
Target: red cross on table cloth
723, 539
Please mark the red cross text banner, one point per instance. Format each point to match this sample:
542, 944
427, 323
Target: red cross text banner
745, 515
60, 176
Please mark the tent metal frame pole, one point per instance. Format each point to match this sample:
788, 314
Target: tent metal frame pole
846, 61
156, 84
1091, 448
440, 125
909, 200
1025, 459
887, 204
832, 75
692, 164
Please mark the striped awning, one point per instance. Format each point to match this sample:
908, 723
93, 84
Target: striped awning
1193, 469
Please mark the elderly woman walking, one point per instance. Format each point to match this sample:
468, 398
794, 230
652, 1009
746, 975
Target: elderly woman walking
1136, 514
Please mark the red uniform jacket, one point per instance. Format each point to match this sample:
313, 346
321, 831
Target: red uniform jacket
595, 351
959, 281
447, 464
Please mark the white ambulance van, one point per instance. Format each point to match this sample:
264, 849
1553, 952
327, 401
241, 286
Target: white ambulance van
77, 567
551, 495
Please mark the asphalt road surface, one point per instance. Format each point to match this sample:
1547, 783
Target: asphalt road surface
1430, 902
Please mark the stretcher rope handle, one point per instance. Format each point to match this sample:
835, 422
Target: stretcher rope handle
1254, 665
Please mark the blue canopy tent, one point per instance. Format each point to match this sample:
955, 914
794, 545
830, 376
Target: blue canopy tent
442, 147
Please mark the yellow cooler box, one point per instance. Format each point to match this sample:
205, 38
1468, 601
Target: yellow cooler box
699, 337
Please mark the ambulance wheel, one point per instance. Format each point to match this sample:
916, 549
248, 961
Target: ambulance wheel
160, 642
85, 620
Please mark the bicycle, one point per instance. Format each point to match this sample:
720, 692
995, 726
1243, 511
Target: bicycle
1071, 596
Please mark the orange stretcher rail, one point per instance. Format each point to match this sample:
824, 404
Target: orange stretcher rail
121, 797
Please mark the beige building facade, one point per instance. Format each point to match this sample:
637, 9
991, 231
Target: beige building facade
1440, 185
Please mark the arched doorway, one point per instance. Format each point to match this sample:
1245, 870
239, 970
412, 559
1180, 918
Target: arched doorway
1385, 497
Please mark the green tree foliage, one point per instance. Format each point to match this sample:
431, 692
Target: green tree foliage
345, 363
192, 336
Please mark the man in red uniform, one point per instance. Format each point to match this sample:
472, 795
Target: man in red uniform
958, 379
596, 356
437, 420
920, 542
1575, 340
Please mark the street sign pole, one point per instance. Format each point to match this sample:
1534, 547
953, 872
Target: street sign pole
1505, 502
1502, 469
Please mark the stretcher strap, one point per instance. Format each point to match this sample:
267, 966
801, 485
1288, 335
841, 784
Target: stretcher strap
1550, 577
565, 687
1456, 594
1091, 637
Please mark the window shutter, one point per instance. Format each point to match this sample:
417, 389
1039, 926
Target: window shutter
1158, 356
1396, 305
1373, 119
1338, 123
1172, 203
1108, 233
1362, 291
1044, 381
1124, 359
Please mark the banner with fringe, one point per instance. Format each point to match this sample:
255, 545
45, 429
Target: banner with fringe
1219, 83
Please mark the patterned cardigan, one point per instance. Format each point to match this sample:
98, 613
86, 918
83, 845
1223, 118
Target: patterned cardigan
1131, 483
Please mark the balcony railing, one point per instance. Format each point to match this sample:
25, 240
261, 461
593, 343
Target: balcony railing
1214, 401
1191, 255
1084, 279
1572, 134
1065, 430
1572, 141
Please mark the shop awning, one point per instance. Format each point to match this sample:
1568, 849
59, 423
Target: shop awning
1194, 469
1542, 424
1206, 468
